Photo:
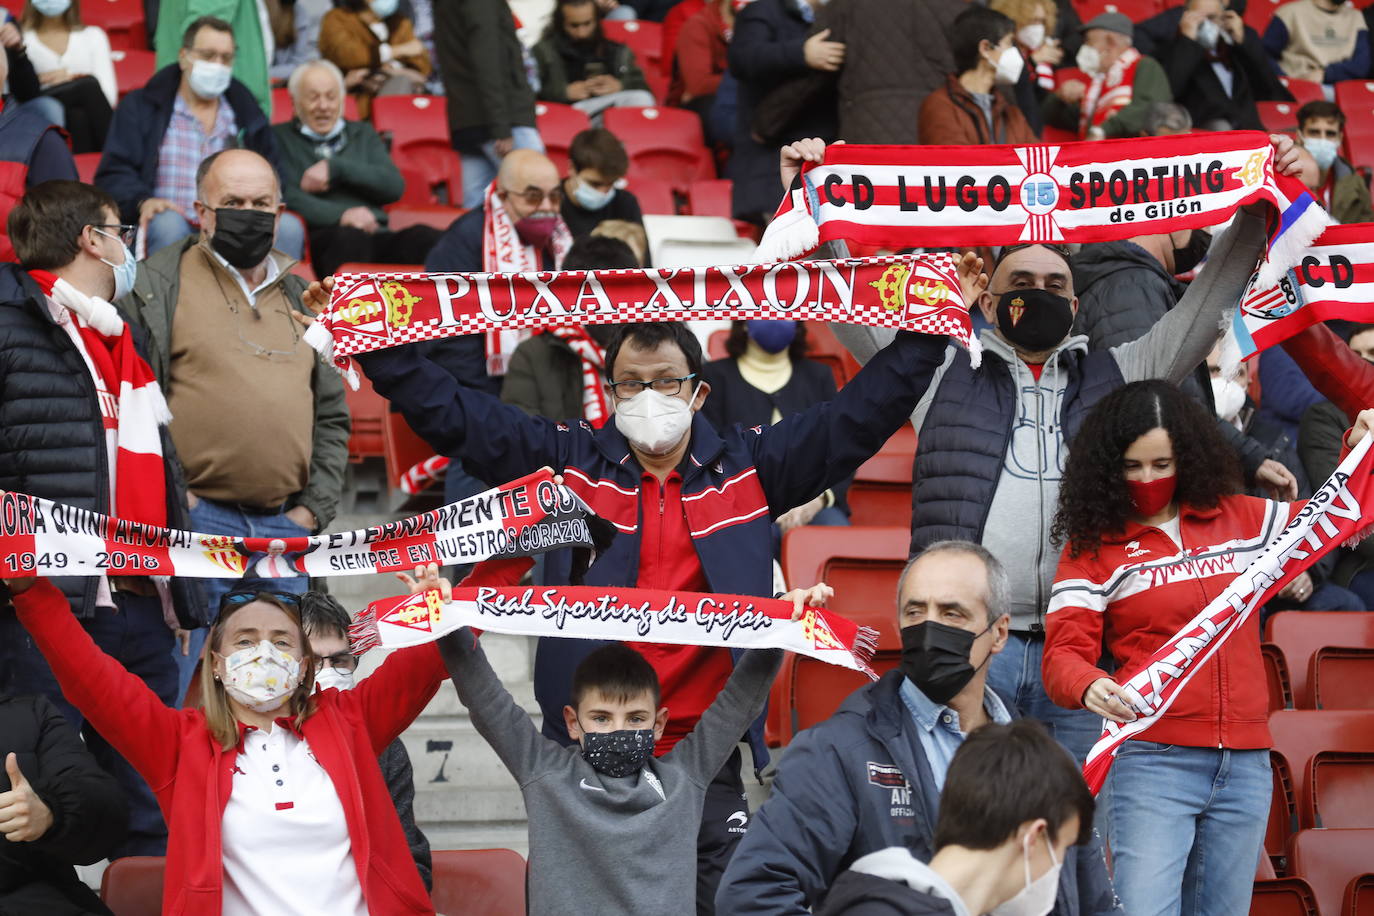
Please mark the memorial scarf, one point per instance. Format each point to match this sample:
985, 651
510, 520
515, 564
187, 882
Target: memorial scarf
1340, 513
1333, 279
377, 311
1106, 190
527, 516
624, 614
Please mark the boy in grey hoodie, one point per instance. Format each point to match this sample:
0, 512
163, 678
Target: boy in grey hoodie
613, 829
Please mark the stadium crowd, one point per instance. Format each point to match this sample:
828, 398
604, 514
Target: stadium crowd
173, 231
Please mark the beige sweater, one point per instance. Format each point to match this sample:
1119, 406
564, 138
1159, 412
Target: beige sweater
1317, 39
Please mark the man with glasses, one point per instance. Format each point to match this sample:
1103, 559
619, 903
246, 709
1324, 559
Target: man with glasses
69, 435
260, 423
188, 111
326, 626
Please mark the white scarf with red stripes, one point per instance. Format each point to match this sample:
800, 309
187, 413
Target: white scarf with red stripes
131, 403
1109, 92
593, 359
504, 252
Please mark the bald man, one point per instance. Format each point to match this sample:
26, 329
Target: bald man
259, 422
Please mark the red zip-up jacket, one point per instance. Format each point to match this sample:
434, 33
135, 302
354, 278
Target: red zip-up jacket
1138, 590
192, 777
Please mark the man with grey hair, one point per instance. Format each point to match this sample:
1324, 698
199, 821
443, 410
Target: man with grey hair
870, 776
338, 175
1166, 119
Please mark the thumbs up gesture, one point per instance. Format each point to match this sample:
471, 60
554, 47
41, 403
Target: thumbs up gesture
23, 815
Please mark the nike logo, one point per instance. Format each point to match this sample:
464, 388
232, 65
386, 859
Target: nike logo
590, 788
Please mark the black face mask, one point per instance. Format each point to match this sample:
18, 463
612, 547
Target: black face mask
1034, 319
1191, 254
935, 657
243, 237
618, 753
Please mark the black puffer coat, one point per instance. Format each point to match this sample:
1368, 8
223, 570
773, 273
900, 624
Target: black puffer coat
52, 440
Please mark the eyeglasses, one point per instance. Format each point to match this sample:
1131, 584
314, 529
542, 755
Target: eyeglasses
236, 599
535, 196
344, 661
631, 387
124, 231
226, 57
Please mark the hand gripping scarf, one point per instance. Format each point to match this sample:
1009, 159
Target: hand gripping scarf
1339, 514
626, 614
939, 196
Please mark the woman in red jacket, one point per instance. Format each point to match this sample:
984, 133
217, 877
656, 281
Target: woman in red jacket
273, 798
1154, 528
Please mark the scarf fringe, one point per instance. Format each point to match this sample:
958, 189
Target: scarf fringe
319, 339
362, 632
792, 233
1355, 539
1288, 249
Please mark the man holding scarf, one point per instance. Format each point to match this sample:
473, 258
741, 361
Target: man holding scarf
85, 424
1123, 84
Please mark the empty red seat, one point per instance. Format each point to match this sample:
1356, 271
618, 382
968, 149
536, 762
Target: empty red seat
1276, 677
654, 196
1301, 734
1340, 790
1355, 96
643, 37
1303, 91
709, 197
663, 143
86, 164
487, 881
1275, 896
558, 124
403, 216
403, 448
817, 689
433, 173
133, 69
122, 21
409, 118
1330, 860
861, 564
1342, 678
1283, 809
1279, 117
132, 886
1359, 897
881, 491
1135, 10
1299, 634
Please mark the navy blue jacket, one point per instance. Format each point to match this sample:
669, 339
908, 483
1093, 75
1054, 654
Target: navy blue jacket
854, 784
734, 482
128, 166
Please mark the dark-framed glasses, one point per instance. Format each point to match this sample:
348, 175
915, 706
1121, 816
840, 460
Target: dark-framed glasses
631, 387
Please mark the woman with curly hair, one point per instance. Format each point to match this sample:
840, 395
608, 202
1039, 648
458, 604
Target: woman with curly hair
1154, 526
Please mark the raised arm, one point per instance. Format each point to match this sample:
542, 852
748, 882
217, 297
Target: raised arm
722, 726
391, 698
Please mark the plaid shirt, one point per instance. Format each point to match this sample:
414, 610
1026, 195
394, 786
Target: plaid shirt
183, 147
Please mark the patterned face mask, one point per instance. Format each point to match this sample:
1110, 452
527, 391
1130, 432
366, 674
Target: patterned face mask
618, 753
259, 676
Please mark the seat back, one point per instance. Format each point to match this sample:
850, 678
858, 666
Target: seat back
122, 21
86, 164
1340, 790
1330, 860
654, 195
1359, 897
1276, 677
1301, 734
819, 688
487, 881
133, 68
1278, 117
1342, 678
403, 216
1283, 809
132, 886
861, 564
558, 124
710, 197
409, 118
403, 448
1299, 634
1283, 897
664, 143
367, 409
440, 169
881, 491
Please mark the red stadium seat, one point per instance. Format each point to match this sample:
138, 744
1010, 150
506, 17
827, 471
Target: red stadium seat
1275, 896
1135, 10
1279, 117
487, 881
132, 886
1300, 734
122, 21
643, 37
817, 689
1342, 678
1355, 96
403, 216
655, 196
403, 448
1276, 676
86, 164
1330, 860
824, 347
133, 69
709, 197
881, 491
367, 409
1340, 790
411, 118
558, 124
1303, 91
663, 143
433, 173
1299, 634
1359, 897
1258, 13
861, 564
1283, 809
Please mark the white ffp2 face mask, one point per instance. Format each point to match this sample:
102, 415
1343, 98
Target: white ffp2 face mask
1229, 398
1009, 66
259, 676
1032, 36
654, 423
1038, 896
1088, 59
333, 677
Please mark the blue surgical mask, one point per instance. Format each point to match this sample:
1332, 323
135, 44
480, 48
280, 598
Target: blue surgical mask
383, 9
589, 198
322, 137
124, 273
52, 7
772, 336
208, 79
1322, 150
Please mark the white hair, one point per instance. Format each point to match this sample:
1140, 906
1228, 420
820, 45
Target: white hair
293, 83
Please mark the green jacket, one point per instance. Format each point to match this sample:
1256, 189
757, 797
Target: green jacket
152, 305
250, 53
1350, 195
361, 174
553, 71
1151, 85
544, 379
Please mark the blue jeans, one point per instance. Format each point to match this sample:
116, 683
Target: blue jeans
137, 637
1186, 827
170, 227
1327, 597
1015, 674
210, 517
478, 171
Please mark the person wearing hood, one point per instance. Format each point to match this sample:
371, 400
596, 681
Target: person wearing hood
1012, 421
970, 108
1334, 182
581, 67
1013, 805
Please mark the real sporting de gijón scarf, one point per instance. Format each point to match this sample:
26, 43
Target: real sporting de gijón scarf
528, 516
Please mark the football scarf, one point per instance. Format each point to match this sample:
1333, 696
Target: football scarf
370, 312
525, 517
1106, 190
1338, 514
625, 614
1109, 92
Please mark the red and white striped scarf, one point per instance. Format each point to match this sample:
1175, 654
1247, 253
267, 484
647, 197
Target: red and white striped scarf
593, 358
1109, 92
504, 252
131, 403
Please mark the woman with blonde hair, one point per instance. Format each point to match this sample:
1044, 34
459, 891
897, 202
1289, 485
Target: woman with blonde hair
74, 66
1047, 37
272, 793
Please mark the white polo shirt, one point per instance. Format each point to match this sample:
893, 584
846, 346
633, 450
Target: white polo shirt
286, 843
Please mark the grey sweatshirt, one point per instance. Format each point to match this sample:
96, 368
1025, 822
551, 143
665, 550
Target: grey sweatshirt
603, 845
1028, 491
